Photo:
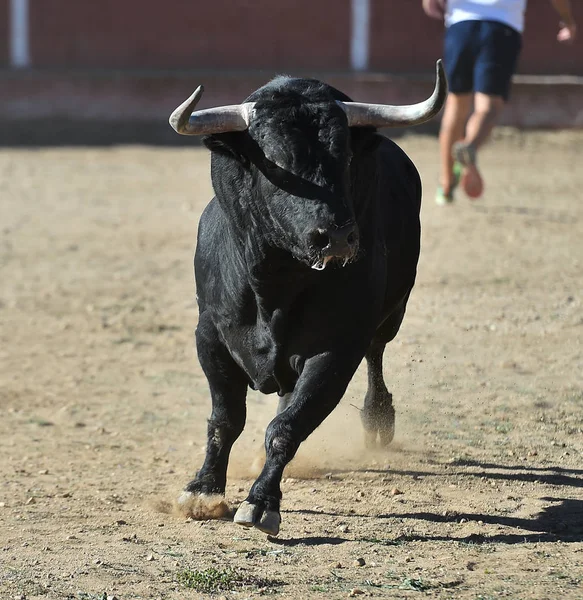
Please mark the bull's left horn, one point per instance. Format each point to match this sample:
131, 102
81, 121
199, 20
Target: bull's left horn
210, 120
385, 115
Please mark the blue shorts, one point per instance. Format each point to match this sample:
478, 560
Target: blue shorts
481, 56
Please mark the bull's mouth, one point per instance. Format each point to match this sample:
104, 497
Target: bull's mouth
320, 263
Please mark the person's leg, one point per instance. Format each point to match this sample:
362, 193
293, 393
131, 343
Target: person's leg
459, 54
453, 124
499, 50
480, 124
487, 109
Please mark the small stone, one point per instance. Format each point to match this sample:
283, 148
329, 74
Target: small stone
358, 562
344, 528
43, 472
361, 494
97, 561
150, 557
480, 522
356, 592
2, 504
396, 492
463, 520
112, 598
31, 501
336, 565
121, 522
72, 537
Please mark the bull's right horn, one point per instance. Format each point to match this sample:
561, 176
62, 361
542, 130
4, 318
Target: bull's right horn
211, 120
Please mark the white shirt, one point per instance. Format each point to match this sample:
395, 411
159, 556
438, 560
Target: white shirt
509, 12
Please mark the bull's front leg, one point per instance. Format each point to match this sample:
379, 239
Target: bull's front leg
318, 390
228, 387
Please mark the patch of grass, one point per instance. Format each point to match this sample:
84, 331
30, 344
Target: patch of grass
416, 585
40, 422
419, 585
386, 542
87, 596
209, 581
319, 588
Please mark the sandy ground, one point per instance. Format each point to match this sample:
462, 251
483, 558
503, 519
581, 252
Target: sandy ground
104, 405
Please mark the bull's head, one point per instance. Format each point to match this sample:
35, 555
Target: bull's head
294, 151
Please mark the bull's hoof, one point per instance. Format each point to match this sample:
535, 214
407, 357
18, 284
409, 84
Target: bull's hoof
386, 436
269, 522
250, 515
370, 439
244, 514
185, 498
201, 507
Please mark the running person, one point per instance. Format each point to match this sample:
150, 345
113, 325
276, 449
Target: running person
483, 39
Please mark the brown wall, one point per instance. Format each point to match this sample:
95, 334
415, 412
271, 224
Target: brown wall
4, 55
541, 52
235, 34
285, 35
410, 42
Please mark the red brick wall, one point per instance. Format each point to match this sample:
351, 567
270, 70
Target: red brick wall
541, 52
248, 34
282, 35
404, 40
4, 52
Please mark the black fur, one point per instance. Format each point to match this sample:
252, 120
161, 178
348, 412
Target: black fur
268, 320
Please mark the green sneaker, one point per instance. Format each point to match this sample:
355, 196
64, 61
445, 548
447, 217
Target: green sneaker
458, 169
440, 197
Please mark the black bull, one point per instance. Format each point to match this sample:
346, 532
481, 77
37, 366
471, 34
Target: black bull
304, 264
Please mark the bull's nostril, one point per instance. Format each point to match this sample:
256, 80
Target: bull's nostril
351, 238
320, 240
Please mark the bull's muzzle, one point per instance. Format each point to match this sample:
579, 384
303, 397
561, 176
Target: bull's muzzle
332, 243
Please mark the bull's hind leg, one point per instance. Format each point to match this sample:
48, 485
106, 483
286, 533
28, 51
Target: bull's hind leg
228, 387
317, 392
378, 414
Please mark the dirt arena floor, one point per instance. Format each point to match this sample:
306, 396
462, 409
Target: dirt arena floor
104, 405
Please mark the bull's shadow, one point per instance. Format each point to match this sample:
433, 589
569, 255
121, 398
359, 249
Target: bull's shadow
560, 522
558, 476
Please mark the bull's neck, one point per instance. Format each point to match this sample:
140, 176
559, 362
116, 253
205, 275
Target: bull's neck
274, 275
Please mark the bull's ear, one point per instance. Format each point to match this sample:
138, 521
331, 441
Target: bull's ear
227, 144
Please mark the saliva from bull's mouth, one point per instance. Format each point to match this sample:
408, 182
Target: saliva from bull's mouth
320, 263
